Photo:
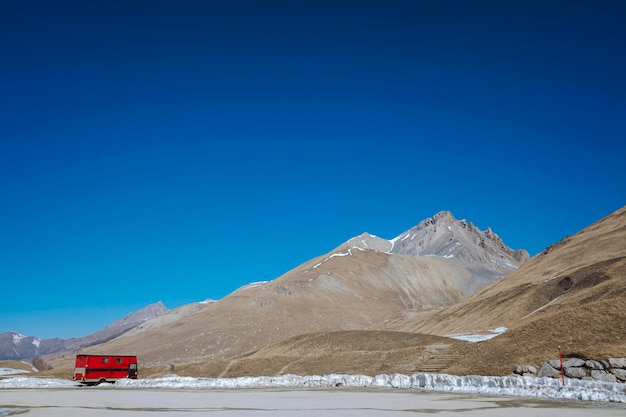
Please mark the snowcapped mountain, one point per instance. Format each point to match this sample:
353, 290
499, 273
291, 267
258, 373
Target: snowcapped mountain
17, 346
361, 285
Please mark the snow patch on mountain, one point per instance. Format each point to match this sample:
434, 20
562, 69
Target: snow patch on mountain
252, 285
17, 338
478, 337
370, 242
348, 252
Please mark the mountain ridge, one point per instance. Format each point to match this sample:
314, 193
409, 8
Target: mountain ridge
360, 284
15, 346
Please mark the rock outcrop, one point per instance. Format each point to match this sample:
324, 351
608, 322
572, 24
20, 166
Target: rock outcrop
610, 370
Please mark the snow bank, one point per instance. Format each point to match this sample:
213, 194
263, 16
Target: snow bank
11, 411
489, 385
524, 386
509, 385
11, 371
23, 382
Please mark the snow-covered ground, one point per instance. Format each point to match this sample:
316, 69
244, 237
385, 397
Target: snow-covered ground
11, 371
509, 385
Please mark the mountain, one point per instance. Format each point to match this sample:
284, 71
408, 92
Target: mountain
573, 293
17, 346
361, 285
482, 252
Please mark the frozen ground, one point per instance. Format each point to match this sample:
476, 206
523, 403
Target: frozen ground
146, 402
291, 395
11, 371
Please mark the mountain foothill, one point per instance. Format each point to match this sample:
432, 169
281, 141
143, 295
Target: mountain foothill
415, 303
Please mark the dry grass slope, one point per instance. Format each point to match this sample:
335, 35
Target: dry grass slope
589, 323
350, 352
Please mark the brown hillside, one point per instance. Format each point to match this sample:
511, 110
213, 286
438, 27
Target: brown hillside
354, 352
330, 293
573, 293
349, 352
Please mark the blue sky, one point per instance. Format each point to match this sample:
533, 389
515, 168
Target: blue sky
176, 150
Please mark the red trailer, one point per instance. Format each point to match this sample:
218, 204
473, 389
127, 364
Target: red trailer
94, 369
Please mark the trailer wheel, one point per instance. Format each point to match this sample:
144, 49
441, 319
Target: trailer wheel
102, 381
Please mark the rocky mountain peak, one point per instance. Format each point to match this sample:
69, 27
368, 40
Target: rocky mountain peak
460, 241
441, 218
147, 312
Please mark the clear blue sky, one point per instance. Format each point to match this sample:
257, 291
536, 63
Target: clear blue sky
176, 150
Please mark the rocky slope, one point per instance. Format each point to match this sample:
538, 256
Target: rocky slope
360, 285
459, 241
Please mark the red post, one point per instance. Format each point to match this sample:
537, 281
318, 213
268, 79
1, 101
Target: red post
562, 370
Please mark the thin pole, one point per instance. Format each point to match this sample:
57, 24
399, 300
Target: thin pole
562, 370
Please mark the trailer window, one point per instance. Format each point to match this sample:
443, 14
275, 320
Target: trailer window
118, 360
105, 360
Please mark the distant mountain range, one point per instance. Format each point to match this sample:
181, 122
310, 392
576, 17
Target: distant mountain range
362, 284
17, 346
